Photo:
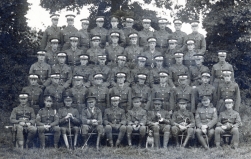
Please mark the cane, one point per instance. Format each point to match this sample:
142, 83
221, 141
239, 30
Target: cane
88, 138
70, 132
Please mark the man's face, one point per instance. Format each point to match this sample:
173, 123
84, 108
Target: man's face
229, 105
100, 24
162, 26
115, 39
157, 106
101, 61
134, 41
41, 58
121, 62
141, 81
172, 45
95, 43
33, 81
84, 26
195, 28
190, 47
129, 24
54, 22
114, 24
115, 103
120, 80
98, 81
205, 79
61, 60
177, 27
55, 80
163, 79
74, 43
136, 103
227, 78
182, 106
91, 103
179, 59
183, 81
152, 45
70, 21
141, 63
68, 102
222, 58
205, 102
84, 61
23, 101
199, 61
78, 82
54, 46
48, 103
146, 25
159, 63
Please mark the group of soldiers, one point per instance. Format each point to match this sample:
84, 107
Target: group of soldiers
124, 81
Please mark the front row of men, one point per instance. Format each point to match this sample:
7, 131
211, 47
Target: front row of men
67, 121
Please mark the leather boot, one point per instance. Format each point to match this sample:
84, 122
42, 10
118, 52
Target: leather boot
156, 140
166, 139
129, 139
21, 144
98, 142
66, 141
177, 141
140, 141
75, 141
186, 141
117, 143
217, 144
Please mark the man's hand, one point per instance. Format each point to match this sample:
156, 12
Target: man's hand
94, 122
28, 124
224, 127
22, 123
204, 127
182, 128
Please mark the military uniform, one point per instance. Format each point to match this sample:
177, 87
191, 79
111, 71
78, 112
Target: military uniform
51, 57
132, 52
43, 70
143, 36
105, 70
93, 54
139, 70
102, 32
175, 70
65, 35
48, 116
85, 71
117, 69
84, 39
162, 37
206, 90
189, 59
65, 74
112, 52
200, 42
154, 76
122, 39
169, 57
181, 39
144, 92
195, 74
128, 31
73, 59
150, 62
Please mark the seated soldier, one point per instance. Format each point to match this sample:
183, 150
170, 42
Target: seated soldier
23, 118
47, 121
92, 120
205, 119
159, 120
136, 120
229, 122
69, 121
182, 122
115, 121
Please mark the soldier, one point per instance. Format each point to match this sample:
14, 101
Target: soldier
99, 30
182, 122
114, 23
217, 76
143, 91
133, 50
67, 32
200, 42
151, 52
140, 68
228, 89
128, 29
42, 69
73, 52
162, 35
159, 120
78, 92
51, 53
179, 35
84, 35
63, 70
23, 118
51, 32
92, 120
178, 68
95, 50
189, 59
205, 119
115, 121
136, 121
35, 93
113, 49
47, 121
100, 91
228, 123
69, 121
164, 91
145, 33
101, 67
205, 89
56, 91
185, 91
123, 90
195, 71
169, 53
84, 69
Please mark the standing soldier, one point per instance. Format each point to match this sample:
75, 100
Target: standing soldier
195, 71
140, 89
129, 30
200, 42
179, 35
159, 120
133, 50
162, 35
185, 91
51, 32
23, 118
114, 49
136, 121
55, 90
51, 53
99, 30
182, 122
69, 121
84, 35
228, 123
67, 32
92, 120
73, 52
95, 50
63, 70
84, 69
145, 33
100, 91
178, 68
101, 67
169, 53
35, 93
151, 52
206, 119
189, 59
114, 23
42, 69
217, 76
47, 121
115, 120
164, 91
228, 89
